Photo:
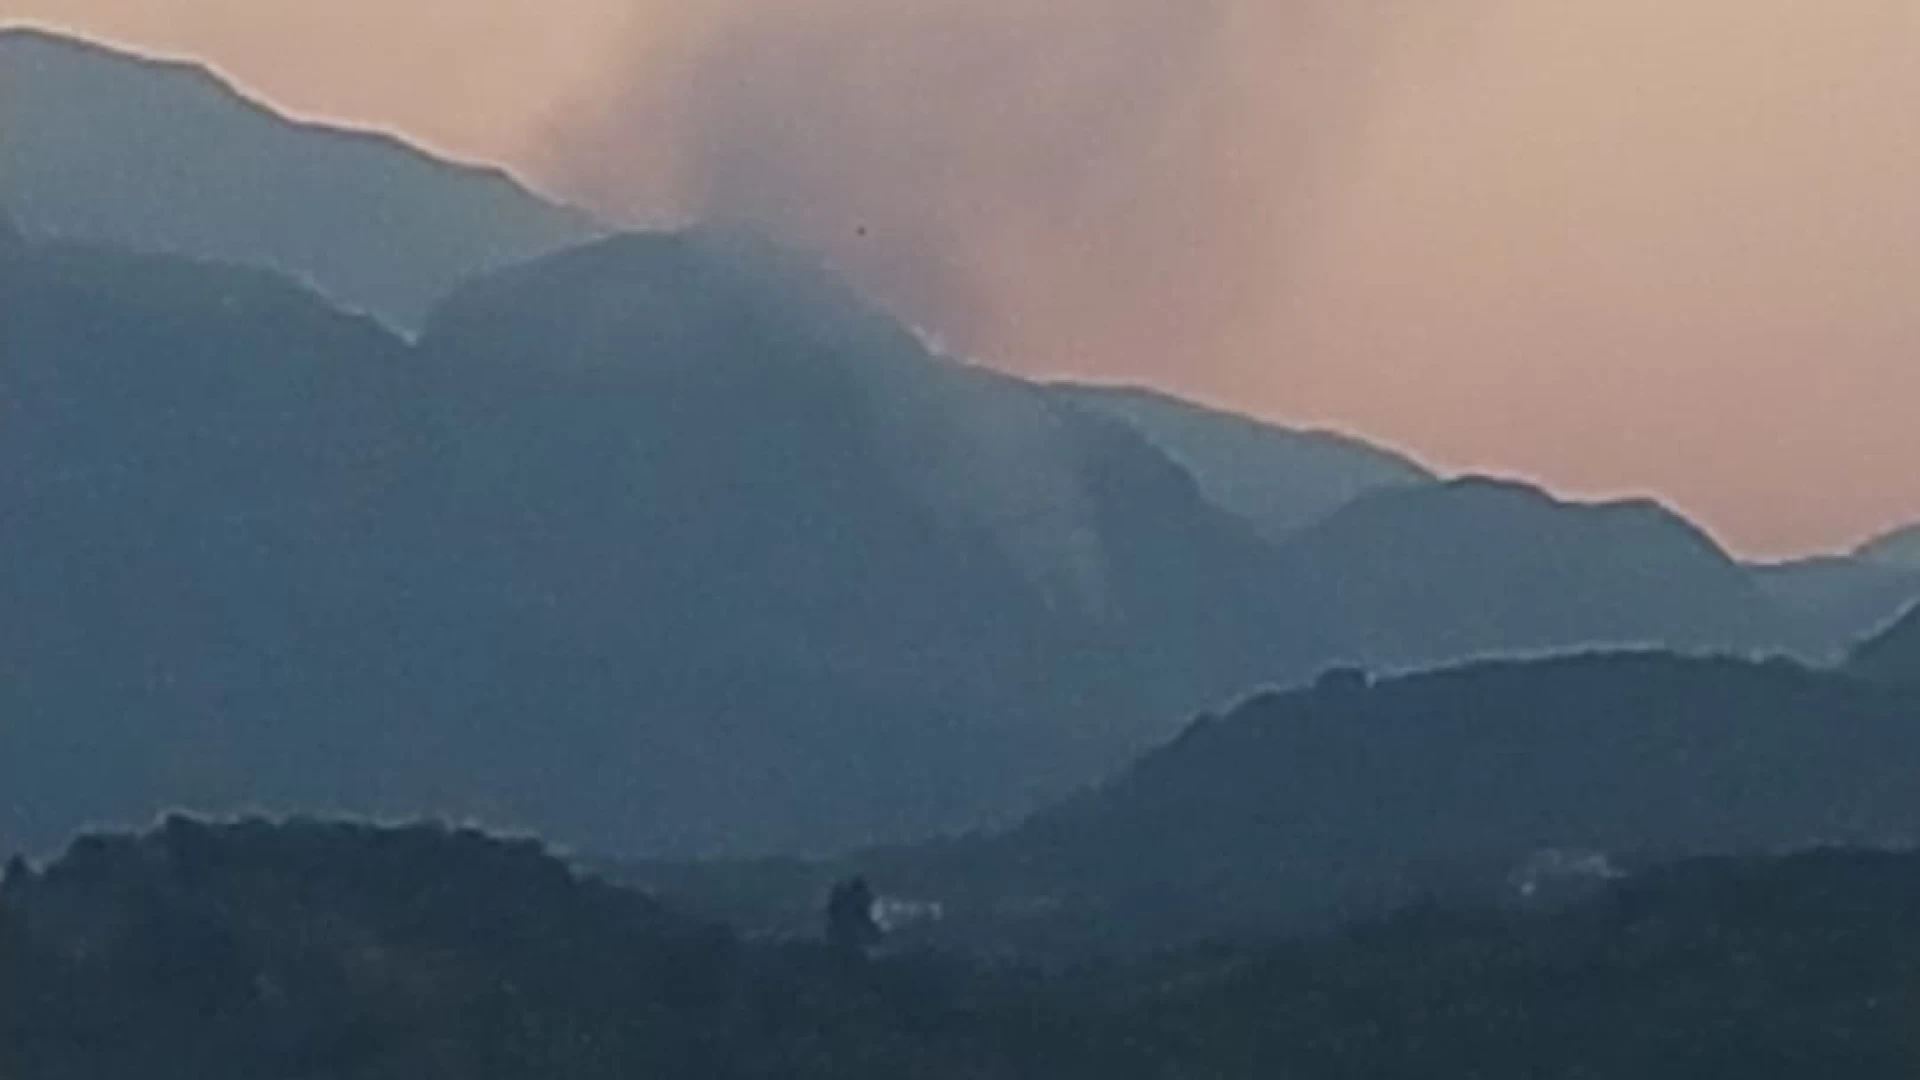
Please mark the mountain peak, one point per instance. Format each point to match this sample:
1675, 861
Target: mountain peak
17, 40
1490, 567
675, 290
686, 260
1475, 496
34, 56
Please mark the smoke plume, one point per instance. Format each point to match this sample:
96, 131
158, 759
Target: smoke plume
1096, 187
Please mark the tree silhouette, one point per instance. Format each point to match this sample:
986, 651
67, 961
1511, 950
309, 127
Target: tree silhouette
850, 924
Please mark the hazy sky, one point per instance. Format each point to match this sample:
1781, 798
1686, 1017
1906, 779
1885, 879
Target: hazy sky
1621, 246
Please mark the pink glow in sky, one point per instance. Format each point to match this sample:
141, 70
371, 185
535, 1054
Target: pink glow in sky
1631, 246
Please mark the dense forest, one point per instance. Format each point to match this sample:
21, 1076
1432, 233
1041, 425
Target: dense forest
311, 949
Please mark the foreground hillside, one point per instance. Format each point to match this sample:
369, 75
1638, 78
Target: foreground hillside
1350, 797
1355, 796
264, 952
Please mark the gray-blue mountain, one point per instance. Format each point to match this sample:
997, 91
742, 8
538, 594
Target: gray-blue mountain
1891, 657
1279, 478
1840, 600
664, 543
1429, 575
660, 542
101, 146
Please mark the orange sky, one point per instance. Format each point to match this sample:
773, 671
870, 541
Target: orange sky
1666, 246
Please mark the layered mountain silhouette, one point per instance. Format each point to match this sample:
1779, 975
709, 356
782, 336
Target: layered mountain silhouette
1278, 478
1840, 600
339, 480
1433, 574
660, 542
666, 542
672, 543
102, 146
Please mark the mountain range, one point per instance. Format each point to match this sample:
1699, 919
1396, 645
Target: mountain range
337, 476
884, 714
721, 554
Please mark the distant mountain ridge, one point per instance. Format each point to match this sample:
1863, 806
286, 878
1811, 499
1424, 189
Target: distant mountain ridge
681, 519
1892, 656
1900, 548
105, 147
1433, 574
1278, 478
1840, 600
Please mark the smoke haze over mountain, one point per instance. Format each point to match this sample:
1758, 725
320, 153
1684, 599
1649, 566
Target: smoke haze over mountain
1098, 186
1465, 228
1555, 239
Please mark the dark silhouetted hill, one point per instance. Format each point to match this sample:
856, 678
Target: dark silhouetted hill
1278, 478
1351, 797
313, 949
105, 147
1706, 968
1436, 574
